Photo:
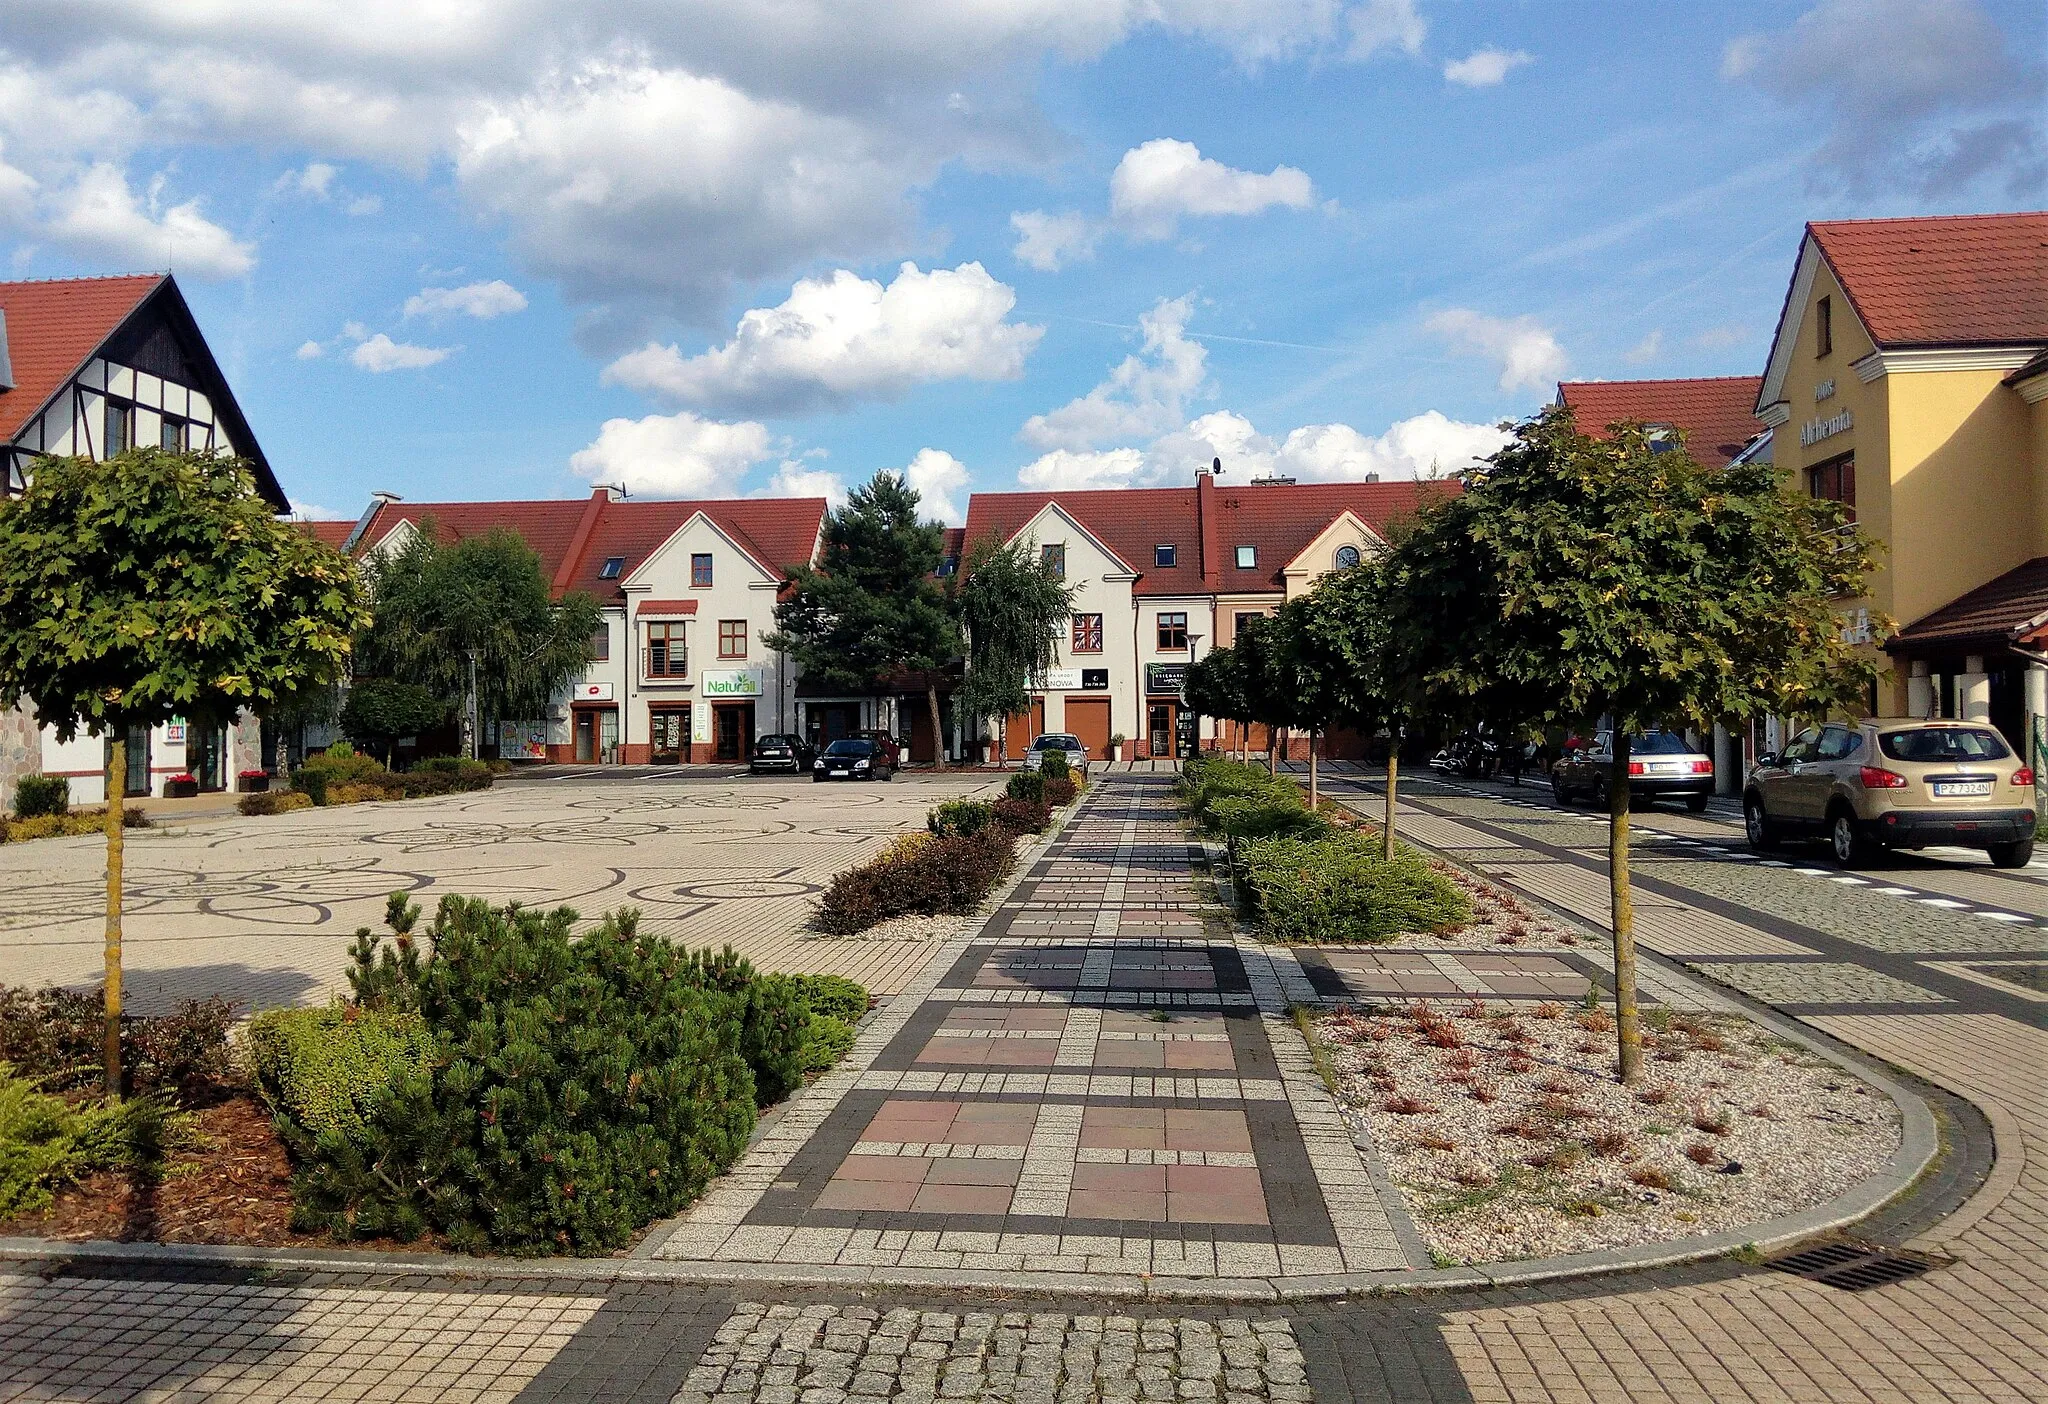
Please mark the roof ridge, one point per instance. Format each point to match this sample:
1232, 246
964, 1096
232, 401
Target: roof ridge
84, 278
1985, 215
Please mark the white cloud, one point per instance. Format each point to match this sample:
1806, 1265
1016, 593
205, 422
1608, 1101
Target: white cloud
1925, 95
310, 351
365, 205
674, 455
379, 354
941, 482
314, 181
1722, 337
98, 214
1528, 353
312, 512
1484, 68
1157, 183
482, 300
1144, 395
1646, 350
1427, 445
837, 340
793, 479
1049, 241
1385, 24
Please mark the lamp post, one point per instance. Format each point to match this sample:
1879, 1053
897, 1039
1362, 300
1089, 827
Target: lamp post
1194, 741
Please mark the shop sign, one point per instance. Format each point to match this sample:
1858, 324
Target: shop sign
1059, 680
730, 682
1168, 678
1095, 680
1824, 390
1814, 430
700, 725
174, 734
523, 740
593, 692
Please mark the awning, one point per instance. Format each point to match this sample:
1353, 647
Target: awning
646, 607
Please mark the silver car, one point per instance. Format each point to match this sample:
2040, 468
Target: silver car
1066, 741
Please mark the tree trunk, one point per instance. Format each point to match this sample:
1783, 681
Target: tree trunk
1315, 796
1393, 778
117, 785
1272, 750
931, 702
1627, 1033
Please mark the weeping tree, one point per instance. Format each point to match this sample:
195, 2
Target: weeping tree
1013, 606
1577, 578
472, 623
158, 585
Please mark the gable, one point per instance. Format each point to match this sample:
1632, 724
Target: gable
669, 563
1321, 554
1053, 524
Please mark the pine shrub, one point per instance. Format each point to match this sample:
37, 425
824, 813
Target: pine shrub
833, 996
1341, 889
37, 795
1026, 785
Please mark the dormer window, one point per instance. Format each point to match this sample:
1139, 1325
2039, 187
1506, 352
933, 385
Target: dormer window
611, 567
948, 565
1347, 557
1662, 438
1247, 558
1163, 555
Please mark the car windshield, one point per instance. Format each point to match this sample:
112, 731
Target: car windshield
1056, 743
1944, 743
850, 748
1660, 743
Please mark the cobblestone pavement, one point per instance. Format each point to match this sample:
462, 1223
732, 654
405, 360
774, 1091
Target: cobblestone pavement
262, 909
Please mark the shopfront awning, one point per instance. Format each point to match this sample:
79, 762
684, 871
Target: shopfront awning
2009, 612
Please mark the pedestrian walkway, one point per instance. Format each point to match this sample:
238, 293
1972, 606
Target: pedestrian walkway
1102, 1079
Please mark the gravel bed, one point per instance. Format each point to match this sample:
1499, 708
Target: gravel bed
909, 927
1510, 1137
1499, 918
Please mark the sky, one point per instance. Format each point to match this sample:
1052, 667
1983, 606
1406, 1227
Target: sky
469, 249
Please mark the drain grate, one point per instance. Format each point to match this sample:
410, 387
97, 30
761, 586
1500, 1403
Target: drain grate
1854, 1267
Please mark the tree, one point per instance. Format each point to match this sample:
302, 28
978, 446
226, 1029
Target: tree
1577, 578
1215, 687
157, 585
1345, 627
872, 610
1013, 605
473, 623
380, 710
1304, 675
1256, 662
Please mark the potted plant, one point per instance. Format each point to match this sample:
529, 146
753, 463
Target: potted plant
181, 787
1116, 746
252, 782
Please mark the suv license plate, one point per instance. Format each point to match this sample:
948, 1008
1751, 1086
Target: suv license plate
1961, 789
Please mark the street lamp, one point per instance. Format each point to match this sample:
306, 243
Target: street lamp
1193, 639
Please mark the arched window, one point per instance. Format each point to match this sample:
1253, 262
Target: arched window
1347, 557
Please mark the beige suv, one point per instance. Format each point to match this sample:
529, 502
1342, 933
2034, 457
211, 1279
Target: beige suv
1880, 784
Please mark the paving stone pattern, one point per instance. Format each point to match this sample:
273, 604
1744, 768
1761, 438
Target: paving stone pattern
825, 1354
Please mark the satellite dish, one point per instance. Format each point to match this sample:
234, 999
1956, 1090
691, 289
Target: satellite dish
1216, 466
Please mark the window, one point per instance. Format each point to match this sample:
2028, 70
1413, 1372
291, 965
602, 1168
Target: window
1823, 326
700, 568
1173, 632
732, 638
1662, 438
1054, 558
1834, 480
1805, 746
1347, 557
611, 567
1936, 744
1163, 556
601, 645
1838, 743
668, 656
1247, 557
171, 435
948, 565
1087, 633
1248, 617
120, 435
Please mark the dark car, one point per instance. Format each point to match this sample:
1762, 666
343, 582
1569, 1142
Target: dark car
1659, 763
888, 745
853, 758
782, 751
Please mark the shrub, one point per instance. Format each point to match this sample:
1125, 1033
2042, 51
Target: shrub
578, 1087
322, 1069
941, 875
365, 791
274, 802
1060, 791
1341, 889
1027, 785
339, 775
833, 996
55, 1036
45, 1141
1209, 779
773, 1034
36, 795
1265, 816
960, 818
1021, 816
456, 773
1053, 765
827, 1042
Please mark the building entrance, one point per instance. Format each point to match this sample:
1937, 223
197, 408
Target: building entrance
732, 730
1160, 723
597, 736
671, 735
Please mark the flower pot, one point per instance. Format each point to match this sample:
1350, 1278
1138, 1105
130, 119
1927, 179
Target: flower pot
253, 784
181, 788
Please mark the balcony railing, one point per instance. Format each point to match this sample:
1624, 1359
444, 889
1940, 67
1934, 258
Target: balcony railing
664, 663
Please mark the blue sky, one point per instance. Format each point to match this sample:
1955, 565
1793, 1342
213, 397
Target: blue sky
458, 250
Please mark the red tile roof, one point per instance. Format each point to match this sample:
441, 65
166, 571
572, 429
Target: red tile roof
333, 533
1943, 280
53, 327
1717, 414
2010, 609
1205, 524
575, 536
665, 607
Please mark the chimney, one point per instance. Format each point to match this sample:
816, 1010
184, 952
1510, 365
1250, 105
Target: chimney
6, 361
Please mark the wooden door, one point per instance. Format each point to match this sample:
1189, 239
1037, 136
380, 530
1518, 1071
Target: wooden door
1088, 718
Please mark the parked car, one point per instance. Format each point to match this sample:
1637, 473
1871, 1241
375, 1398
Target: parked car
888, 744
853, 758
1041, 746
1660, 763
782, 751
1881, 784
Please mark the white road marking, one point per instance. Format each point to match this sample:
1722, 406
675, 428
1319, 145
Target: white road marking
1941, 902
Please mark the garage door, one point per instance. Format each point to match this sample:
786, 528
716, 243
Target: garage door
1021, 730
1088, 718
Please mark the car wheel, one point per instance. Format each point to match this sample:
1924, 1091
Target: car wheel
1756, 823
2012, 855
1850, 848
1558, 792
890, 773
1695, 804
817, 779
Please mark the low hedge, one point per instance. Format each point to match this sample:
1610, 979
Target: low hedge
77, 825
274, 802
342, 775
322, 1069
1207, 780
56, 1036
1243, 817
1060, 790
1021, 816
938, 875
38, 795
1342, 889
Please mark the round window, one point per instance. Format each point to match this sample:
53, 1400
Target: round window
1347, 557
